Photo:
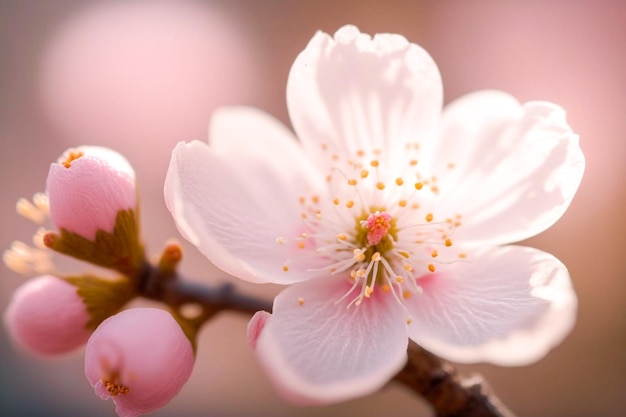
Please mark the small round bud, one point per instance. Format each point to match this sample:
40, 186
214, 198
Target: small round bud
88, 187
140, 358
47, 316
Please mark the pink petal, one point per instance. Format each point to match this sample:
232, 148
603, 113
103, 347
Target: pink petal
316, 350
143, 350
516, 167
353, 92
87, 193
235, 199
255, 327
47, 316
507, 305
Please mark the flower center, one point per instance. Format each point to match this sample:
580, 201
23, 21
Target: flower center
375, 228
377, 225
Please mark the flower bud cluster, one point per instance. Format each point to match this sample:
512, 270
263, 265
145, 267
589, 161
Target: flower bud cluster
139, 357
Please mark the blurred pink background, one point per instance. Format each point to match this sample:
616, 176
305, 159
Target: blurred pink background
141, 76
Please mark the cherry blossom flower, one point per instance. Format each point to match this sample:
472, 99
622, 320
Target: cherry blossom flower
140, 358
388, 217
88, 187
47, 316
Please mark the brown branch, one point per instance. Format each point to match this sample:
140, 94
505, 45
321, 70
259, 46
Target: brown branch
450, 394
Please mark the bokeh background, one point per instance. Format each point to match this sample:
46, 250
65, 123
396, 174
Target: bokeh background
139, 76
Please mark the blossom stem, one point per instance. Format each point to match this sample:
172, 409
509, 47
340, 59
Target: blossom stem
435, 380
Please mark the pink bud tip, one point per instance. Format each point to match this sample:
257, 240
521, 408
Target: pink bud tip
140, 358
87, 187
255, 327
47, 316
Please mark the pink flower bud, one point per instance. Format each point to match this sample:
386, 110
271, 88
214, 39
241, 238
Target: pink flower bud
47, 316
140, 358
87, 187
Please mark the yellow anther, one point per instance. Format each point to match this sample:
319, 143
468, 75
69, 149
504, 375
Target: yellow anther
404, 253
448, 242
462, 255
364, 173
352, 181
399, 279
431, 267
336, 201
407, 267
315, 199
358, 255
360, 153
434, 253
434, 189
451, 165
301, 301
385, 287
409, 321
406, 294
376, 257
353, 274
302, 200
342, 236
380, 185
368, 291
429, 217
324, 146
329, 178
280, 240
304, 235
360, 273
335, 157
418, 185
399, 181
413, 162
301, 245
374, 163
285, 267
349, 203
402, 203
71, 157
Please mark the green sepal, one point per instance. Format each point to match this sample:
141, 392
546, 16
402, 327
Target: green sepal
121, 250
189, 328
102, 297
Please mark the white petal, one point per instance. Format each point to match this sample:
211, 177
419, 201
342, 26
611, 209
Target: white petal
234, 201
508, 305
516, 167
353, 92
250, 132
318, 351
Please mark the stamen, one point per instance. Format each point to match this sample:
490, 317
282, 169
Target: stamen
115, 389
71, 157
28, 210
